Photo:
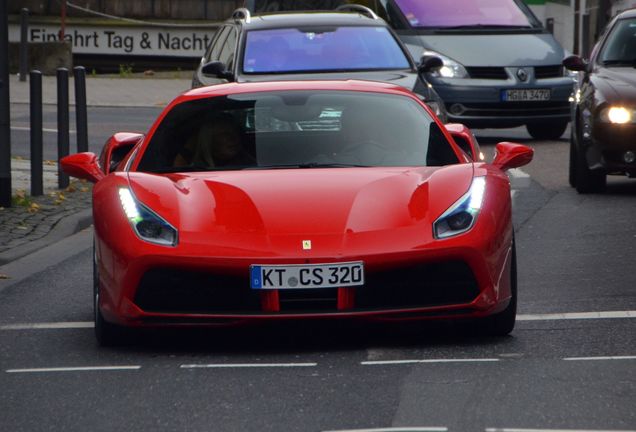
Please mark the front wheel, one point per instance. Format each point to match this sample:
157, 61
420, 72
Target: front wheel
547, 130
106, 333
587, 180
502, 323
572, 166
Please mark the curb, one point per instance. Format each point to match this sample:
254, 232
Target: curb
66, 227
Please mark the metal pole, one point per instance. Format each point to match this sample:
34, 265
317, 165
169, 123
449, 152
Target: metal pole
5, 119
24, 43
585, 39
549, 25
577, 5
81, 118
62, 20
63, 146
37, 183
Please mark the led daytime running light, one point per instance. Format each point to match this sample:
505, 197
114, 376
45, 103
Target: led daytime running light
129, 205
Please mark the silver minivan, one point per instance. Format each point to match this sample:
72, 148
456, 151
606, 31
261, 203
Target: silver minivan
501, 67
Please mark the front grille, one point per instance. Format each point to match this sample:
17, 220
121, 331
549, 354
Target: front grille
188, 292
418, 286
514, 109
308, 300
477, 72
541, 72
181, 291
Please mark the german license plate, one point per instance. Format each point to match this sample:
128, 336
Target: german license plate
307, 275
523, 95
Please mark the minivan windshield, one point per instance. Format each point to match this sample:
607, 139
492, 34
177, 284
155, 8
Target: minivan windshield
465, 14
322, 49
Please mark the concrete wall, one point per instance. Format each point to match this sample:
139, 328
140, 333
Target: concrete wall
214, 10
45, 57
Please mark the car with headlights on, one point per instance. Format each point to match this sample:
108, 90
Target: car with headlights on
349, 43
253, 202
501, 67
603, 139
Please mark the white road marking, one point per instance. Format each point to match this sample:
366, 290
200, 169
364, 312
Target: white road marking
246, 365
552, 430
397, 429
49, 326
519, 178
600, 358
397, 362
22, 128
576, 316
74, 369
520, 317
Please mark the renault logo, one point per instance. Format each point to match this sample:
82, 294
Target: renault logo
522, 74
306, 244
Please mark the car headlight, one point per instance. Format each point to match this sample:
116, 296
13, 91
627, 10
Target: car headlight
618, 115
461, 216
451, 68
147, 224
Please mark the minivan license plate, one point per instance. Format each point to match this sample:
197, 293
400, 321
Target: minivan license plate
307, 275
523, 95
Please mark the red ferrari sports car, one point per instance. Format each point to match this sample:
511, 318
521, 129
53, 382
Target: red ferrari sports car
307, 199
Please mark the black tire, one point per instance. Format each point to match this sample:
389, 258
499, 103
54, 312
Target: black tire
502, 323
106, 333
547, 130
587, 180
572, 167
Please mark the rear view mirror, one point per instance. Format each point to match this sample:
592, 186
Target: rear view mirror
116, 149
217, 69
83, 166
574, 63
511, 155
428, 63
465, 139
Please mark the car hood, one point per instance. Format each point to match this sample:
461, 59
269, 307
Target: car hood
495, 49
274, 210
616, 83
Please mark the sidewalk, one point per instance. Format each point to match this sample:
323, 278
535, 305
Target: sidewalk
34, 222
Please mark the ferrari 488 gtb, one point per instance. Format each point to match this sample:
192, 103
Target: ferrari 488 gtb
306, 199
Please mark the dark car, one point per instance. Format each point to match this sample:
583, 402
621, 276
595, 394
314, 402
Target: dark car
501, 67
604, 108
352, 43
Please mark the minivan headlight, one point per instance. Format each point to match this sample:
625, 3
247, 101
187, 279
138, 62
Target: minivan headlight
451, 68
147, 224
461, 216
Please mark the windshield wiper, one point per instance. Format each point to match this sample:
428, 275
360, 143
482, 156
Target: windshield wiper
487, 27
307, 165
195, 168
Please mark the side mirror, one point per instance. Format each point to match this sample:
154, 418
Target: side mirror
428, 63
84, 166
511, 155
574, 63
465, 139
217, 69
116, 149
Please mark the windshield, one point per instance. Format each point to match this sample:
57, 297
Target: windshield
296, 129
464, 13
322, 49
620, 47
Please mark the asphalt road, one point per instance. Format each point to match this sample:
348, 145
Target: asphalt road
570, 364
102, 123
